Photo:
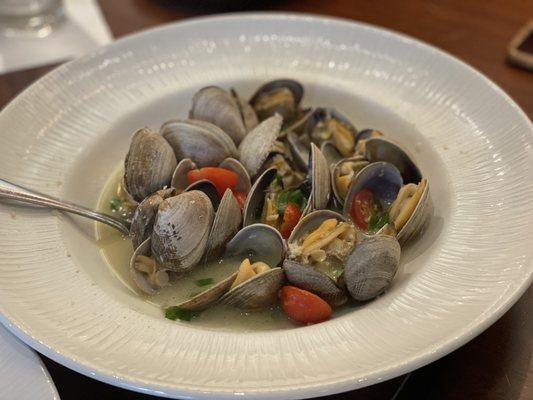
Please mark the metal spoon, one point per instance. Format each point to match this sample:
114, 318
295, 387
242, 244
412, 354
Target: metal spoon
11, 191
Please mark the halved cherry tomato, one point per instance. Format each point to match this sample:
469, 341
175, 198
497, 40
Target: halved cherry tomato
362, 208
291, 216
241, 198
222, 178
303, 306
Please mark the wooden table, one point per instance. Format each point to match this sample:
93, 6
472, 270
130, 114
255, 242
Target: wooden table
495, 365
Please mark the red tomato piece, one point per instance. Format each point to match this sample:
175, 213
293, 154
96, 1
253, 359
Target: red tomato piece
222, 178
241, 198
362, 207
291, 216
303, 306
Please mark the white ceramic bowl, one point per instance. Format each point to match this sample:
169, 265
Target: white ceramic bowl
23, 375
68, 131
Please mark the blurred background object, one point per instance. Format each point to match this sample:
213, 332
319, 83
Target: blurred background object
30, 17
40, 32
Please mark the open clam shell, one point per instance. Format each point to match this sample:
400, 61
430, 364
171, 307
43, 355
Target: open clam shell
329, 124
258, 144
314, 281
142, 279
357, 163
382, 178
305, 276
208, 297
204, 143
385, 181
215, 105
299, 146
226, 223
380, 149
281, 96
208, 188
249, 117
361, 138
244, 184
259, 242
371, 267
257, 292
149, 164
143, 219
181, 229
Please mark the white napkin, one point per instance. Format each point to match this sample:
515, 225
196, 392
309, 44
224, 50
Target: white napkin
84, 29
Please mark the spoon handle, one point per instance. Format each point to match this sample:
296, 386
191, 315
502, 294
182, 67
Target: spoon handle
11, 191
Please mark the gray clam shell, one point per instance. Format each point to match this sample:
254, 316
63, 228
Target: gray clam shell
258, 143
307, 278
380, 149
371, 267
148, 165
257, 292
204, 143
383, 178
226, 223
181, 229
215, 105
419, 219
259, 242
236, 166
138, 277
256, 196
210, 296
144, 216
320, 178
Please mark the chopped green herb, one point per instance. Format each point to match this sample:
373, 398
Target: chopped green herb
291, 196
175, 313
279, 179
204, 282
378, 221
115, 203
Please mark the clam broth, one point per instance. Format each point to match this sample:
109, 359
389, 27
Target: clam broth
117, 250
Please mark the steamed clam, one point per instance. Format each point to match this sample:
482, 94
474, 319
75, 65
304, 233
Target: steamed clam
149, 164
225, 110
245, 189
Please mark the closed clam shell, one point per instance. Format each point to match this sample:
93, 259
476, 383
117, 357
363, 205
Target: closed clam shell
226, 223
181, 230
215, 105
257, 292
204, 143
371, 267
149, 164
144, 216
208, 297
380, 149
258, 143
314, 281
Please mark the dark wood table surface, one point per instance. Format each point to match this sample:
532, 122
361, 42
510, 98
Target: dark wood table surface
495, 365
